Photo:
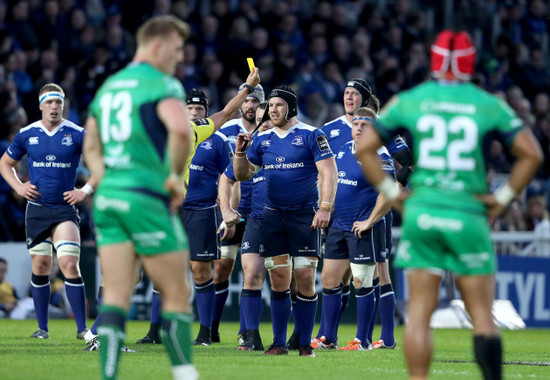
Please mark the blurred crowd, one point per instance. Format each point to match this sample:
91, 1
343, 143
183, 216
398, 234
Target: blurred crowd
314, 45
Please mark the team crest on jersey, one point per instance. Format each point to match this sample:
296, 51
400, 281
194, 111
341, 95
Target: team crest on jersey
246, 245
33, 140
206, 145
67, 140
298, 140
340, 155
334, 133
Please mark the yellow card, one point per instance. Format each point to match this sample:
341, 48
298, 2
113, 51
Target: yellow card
250, 63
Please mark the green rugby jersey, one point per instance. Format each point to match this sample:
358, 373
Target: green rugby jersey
451, 125
134, 139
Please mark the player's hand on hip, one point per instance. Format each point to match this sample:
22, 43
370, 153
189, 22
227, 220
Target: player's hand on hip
321, 219
28, 191
242, 140
359, 227
254, 77
74, 196
494, 209
175, 186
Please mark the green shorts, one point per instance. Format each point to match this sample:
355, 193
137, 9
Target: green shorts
145, 220
447, 239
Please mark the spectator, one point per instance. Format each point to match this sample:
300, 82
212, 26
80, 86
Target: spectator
8, 297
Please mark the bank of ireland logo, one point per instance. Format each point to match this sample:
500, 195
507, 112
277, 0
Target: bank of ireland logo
50, 157
67, 140
341, 174
280, 159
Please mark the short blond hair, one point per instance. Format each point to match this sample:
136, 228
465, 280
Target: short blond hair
365, 112
51, 87
162, 26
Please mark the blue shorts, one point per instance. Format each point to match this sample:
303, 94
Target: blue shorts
252, 236
201, 227
40, 221
344, 245
239, 233
288, 231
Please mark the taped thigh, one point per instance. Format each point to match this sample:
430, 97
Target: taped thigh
42, 249
229, 251
277, 262
67, 248
304, 262
363, 273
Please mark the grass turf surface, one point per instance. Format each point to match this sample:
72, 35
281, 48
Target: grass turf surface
526, 354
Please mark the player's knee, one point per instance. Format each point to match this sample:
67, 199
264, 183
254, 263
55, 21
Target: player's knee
253, 280
362, 275
229, 252
42, 249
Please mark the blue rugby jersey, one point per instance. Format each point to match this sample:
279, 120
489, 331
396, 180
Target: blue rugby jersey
355, 196
289, 165
231, 130
53, 158
210, 160
338, 133
258, 191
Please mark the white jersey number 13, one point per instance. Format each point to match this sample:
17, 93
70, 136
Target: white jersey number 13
121, 102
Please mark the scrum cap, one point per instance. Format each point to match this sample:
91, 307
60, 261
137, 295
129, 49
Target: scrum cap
196, 96
258, 93
290, 98
453, 55
364, 89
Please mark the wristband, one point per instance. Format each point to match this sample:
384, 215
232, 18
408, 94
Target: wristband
240, 154
87, 189
388, 187
249, 88
326, 206
177, 177
505, 194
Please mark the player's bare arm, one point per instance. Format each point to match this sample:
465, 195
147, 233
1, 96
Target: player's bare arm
93, 151
380, 209
173, 113
23, 189
528, 158
244, 170
367, 147
220, 118
225, 196
328, 182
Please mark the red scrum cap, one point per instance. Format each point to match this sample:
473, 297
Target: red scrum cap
453, 56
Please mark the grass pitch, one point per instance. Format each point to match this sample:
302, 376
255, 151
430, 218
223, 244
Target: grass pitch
526, 354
